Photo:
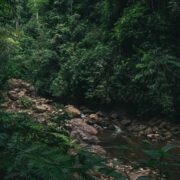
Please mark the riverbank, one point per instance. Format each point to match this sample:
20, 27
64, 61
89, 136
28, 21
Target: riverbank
97, 132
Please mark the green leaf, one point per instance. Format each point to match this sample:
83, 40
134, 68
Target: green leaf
153, 154
168, 147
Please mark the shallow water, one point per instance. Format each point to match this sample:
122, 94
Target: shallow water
130, 149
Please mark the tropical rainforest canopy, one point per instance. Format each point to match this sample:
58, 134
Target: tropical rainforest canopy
102, 53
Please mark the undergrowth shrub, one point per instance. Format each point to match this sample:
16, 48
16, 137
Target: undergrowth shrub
29, 150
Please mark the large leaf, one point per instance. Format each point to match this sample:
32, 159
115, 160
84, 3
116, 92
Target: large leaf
168, 147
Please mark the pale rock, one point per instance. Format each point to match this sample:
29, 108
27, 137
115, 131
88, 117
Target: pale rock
72, 111
94, 117
13, 95
18, 83
41, 108
4, 105
155, 129
150, 135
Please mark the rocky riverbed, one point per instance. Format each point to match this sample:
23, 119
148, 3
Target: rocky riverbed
86, 126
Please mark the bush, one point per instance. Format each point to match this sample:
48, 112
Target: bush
29, 150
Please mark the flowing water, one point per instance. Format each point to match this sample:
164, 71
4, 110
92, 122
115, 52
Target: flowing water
130, 149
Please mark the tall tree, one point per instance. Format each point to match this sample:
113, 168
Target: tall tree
35, 6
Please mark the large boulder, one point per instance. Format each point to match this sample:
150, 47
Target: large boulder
82, 132
78, 123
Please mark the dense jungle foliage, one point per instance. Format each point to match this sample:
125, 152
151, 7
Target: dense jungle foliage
101, 52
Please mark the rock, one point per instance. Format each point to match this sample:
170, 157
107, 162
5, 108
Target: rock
41, 119
130, 128
148, 131
99, 128
13, 95
141, 133
41, 108
78, 123
156, 135
91, 122
94, 117
72, 111
163, 130
4, 105
162, 138
162, 125
168, 135
176, 132
21, 94
82, 132
114, 116
72, 152
150, 135
100, 114
142, 127
175, 128
16, 94
82, 137
96, 149
18, 83
155, 129
126, 122
154, 122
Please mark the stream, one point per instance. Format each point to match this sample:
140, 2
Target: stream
130, 150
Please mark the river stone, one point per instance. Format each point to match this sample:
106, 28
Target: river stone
126, 122
150, 135
83, 137
78, 123
13, 95
99, 128
141, 133
155, 129
4, 105
176, 132
20, 84
94, 117
41, 108
72, 111
168, 135
82, 132
162, 125
114, 116
142, 127
148, 131
96, 149
100, 114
